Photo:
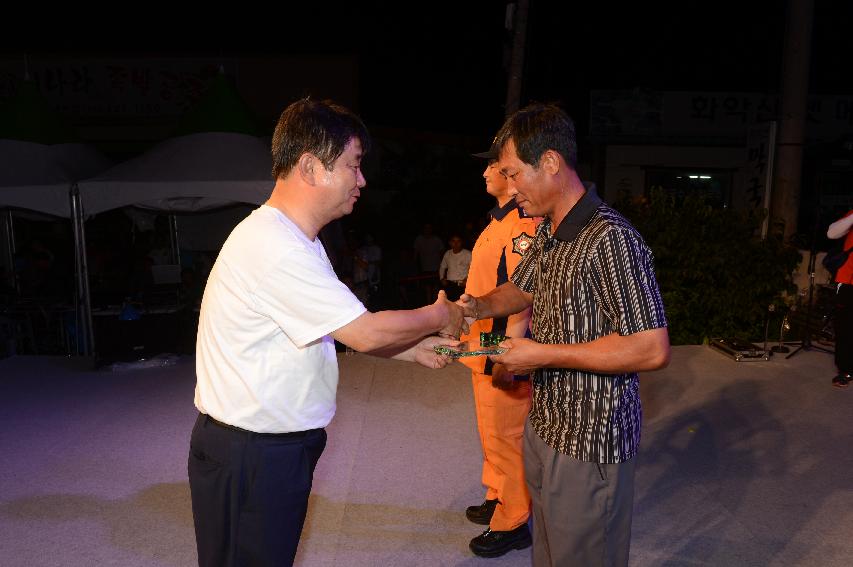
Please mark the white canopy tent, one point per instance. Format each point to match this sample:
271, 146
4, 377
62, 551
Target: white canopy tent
192, 173
37, 177
41, 177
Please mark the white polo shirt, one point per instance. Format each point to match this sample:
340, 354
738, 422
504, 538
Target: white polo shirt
264, 359
454, 266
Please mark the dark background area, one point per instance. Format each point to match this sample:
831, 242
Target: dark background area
440, 66
430, 81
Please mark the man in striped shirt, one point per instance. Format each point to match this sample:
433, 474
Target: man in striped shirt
597, 320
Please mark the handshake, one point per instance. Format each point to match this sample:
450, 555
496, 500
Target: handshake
459, 315
519, 356
455, 318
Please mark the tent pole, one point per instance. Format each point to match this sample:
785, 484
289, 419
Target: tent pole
82, 298
90, 339
73, 195
173, 238
9, 248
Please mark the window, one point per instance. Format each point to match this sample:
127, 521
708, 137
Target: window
715, 186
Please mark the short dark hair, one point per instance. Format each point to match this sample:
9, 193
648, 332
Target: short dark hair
537, 128
322, 128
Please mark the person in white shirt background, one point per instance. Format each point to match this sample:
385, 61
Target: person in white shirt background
453, 270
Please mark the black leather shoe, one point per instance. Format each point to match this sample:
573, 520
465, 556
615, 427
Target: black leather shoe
483, 513
495, 544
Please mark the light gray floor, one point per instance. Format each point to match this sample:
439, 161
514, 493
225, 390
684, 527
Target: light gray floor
742, 464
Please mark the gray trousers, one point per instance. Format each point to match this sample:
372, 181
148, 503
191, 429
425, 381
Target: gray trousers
581, 511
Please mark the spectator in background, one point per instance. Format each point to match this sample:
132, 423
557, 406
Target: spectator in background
843, 228
453, 270
428, 250
335, 242
366, 270
405, 272
469, 235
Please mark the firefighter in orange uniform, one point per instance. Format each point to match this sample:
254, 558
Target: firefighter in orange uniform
501, 400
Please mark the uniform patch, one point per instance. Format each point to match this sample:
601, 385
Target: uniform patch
522, 243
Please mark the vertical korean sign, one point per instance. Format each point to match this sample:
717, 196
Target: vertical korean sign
761, 148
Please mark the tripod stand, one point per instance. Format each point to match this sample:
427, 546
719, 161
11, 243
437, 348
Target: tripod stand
807, 327
807, 330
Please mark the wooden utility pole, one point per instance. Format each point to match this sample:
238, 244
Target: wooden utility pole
518, 17
785, 197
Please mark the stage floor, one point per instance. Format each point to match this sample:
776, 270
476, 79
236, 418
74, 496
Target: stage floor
742, 463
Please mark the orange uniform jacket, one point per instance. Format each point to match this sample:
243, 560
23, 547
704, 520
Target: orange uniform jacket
497, 252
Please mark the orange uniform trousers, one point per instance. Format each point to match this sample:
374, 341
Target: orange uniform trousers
500, 420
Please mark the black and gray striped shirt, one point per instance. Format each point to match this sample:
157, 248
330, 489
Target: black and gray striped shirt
593, 277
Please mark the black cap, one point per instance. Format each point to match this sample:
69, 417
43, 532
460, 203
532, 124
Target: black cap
492, 153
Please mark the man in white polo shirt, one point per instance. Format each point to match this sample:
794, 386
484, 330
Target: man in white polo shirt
453, 271
266, 365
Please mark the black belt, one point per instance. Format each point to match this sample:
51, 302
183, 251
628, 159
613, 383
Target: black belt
290, 434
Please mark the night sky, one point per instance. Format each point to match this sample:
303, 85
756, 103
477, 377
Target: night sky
439, 65
442, 66
449, 64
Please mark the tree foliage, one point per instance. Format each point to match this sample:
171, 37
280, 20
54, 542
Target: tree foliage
716, 276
